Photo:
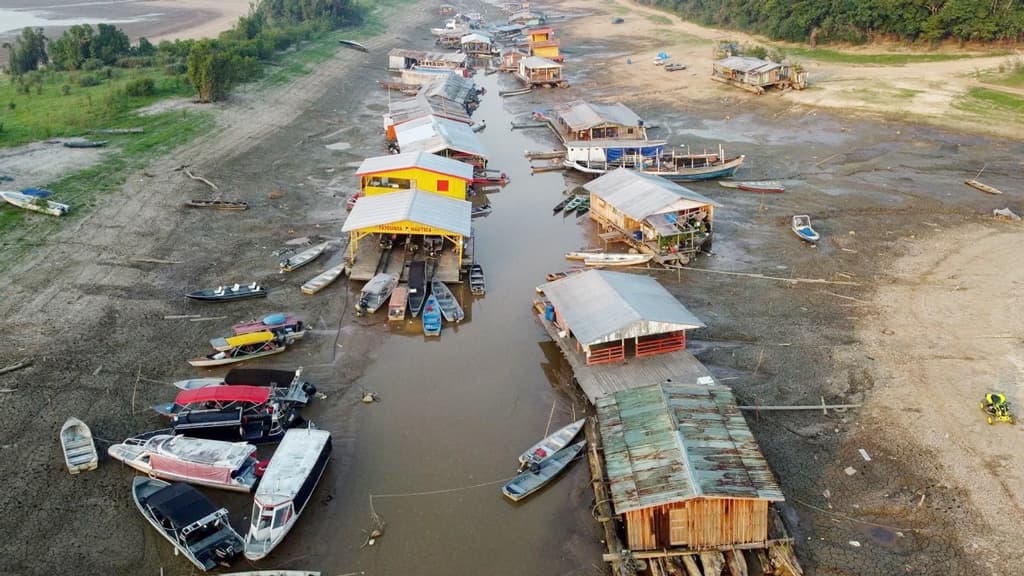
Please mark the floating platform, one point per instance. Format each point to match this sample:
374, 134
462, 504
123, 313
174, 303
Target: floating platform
370, 260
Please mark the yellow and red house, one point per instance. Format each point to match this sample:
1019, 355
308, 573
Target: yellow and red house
544, 44
414, 170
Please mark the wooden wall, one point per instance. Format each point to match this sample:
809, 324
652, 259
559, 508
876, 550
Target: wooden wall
696, 523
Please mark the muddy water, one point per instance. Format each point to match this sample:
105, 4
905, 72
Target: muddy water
456, 411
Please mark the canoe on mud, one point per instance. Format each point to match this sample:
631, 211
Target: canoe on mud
322, 280
296, 261
78, 446
218, 204
34, 203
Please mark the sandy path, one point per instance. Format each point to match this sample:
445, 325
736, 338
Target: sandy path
929, 90
207, 18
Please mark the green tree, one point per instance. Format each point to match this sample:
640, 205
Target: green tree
144, 48
110, 44
73, 48
208, 71
27, 52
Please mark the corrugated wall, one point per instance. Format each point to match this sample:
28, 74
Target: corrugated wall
698, 523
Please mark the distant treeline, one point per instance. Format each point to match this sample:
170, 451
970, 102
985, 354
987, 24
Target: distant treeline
212, 65
860, 20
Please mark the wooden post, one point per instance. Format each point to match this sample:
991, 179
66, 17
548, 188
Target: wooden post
690, 563
736, 562
713, 562
784, 560
601, 495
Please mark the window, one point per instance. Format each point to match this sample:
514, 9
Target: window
442, 185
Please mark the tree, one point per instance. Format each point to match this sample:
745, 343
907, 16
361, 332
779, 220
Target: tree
145, 48
208, 71
73, 47
27, 52
110, 44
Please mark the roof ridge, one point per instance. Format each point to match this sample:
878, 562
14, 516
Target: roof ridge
622, 297
698, 490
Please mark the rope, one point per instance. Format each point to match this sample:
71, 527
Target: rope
547, 430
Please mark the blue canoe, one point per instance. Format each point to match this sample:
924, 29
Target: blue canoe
802, 228
432, 317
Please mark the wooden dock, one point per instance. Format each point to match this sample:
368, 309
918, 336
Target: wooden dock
604, 379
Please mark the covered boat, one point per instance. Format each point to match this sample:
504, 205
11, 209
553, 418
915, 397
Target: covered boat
538, 475
78, 446
547, 447
34, 203
227, 343
286, 488
188, 520
296, 261
233, 292
212, 463
252, 390
450, 308
233, 424
322, 280
215, 397
417, 286
432, 317
375, 293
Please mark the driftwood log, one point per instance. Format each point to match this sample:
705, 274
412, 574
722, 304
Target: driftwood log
16, 366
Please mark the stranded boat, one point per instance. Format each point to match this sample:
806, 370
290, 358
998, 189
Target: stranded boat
34, 203
802, 228
188, 520
417, 286
432, 317
286, 488
375, 293
224, 293
547, 447
279, 324
78, 446
266, 345
296, 261
602, 259
397, 304
262, 391
323, 280
211, 463
540, 474
227, 343
761, 186
450, 308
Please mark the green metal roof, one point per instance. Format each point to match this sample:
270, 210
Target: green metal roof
668, 443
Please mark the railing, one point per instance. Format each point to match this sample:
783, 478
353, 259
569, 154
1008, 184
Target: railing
668, 343
606, 355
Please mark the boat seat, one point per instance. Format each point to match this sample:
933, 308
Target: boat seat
235, 288
219, 291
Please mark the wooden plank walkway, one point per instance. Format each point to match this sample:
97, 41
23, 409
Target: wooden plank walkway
368, 254
604, 379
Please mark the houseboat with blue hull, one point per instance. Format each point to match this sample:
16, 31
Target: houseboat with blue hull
188, 520
648, 157
286, 488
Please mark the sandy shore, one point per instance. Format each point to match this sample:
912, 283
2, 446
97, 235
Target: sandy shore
202, 18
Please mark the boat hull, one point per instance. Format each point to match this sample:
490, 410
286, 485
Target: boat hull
127, 456
530, 482
450, 308
78, 446
550, 445
432, 317
35, 203
322, 280
302, 258
228, 293
206, 361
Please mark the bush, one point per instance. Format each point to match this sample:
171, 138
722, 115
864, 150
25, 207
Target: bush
86, 80
65, 89
141, 87
135, 62
92, 64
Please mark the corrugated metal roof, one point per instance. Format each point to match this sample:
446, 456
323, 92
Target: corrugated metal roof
534, 62
601, 306
422, 55
433, 134
640, 195
417, 206
581, 115
451, 87
423, 160
747, 64
668, 443
475, 37
420, 106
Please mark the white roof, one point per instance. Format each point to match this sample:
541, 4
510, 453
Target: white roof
640, 195
291, 464
433, 134
422, 160
418, 206
747, 64
600, 306
534, 62
475, 37
582, 115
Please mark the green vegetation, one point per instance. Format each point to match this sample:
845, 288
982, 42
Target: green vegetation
889, 59
1010, 74
659, 19
860, 21
992, 103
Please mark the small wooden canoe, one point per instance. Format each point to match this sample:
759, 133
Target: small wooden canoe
78, 446
218, 204
552, 276
674, 67
85, 143
417, 287
617, 259
397, 304
547, 447
760, 186
983, 187
532, 480
323, 280
450, 307
477, 281
802, 228
432, 317
225, 293
273, 322
299, 260
481, 211
581, 255
354, 44
235, 355
573, 204
34, 203
558, 207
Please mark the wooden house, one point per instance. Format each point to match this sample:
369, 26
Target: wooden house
581, 120
526, 17
536, 71
401, 59
755, 74
685, 473
450, 39
402, 111
414, 171
443, 137
446, 9
510, 58
445, 88
612, 315
652, 214
477, 44
542, 43
506, 32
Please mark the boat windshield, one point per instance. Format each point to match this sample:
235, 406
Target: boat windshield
261, 517
282, 516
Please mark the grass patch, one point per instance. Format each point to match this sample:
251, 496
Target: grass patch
891, 59
672, 36
60, 106
987, 102
621, 10
659, 19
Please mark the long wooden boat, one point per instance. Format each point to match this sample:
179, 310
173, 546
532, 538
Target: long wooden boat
225, 293
692, 168
296, 261
760, 186
375, 293
581, 254
398, 302
286, 488
197, 383
417, 286
477, 281
983, 187
323, 279
606, 259
84, 143
78, 446
552, 276
273, 573
354, 44
188, 520
450, 308
34, 203
431, 317
532, 480
547, 447
217, 204
211, 463
235, 355
558, 207
279, 324
802, 228
226, 343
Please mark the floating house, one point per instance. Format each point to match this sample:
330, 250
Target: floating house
445, 88
414, 171
402, 59
510, 58
526, 17
542, 43
507, 32
537, 71
403, 111
652, 214
436, 135
610, 316
477, 44
755, 75
581, 120
397, 217
685, 473
450, 39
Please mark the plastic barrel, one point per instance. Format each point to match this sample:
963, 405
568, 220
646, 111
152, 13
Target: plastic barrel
549, 313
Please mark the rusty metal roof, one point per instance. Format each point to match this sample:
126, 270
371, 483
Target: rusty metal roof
640, 195
668, 443
601, 306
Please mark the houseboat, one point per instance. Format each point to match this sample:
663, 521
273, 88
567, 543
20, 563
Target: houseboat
211, 463
286, 488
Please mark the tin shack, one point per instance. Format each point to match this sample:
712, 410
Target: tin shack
581, 120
